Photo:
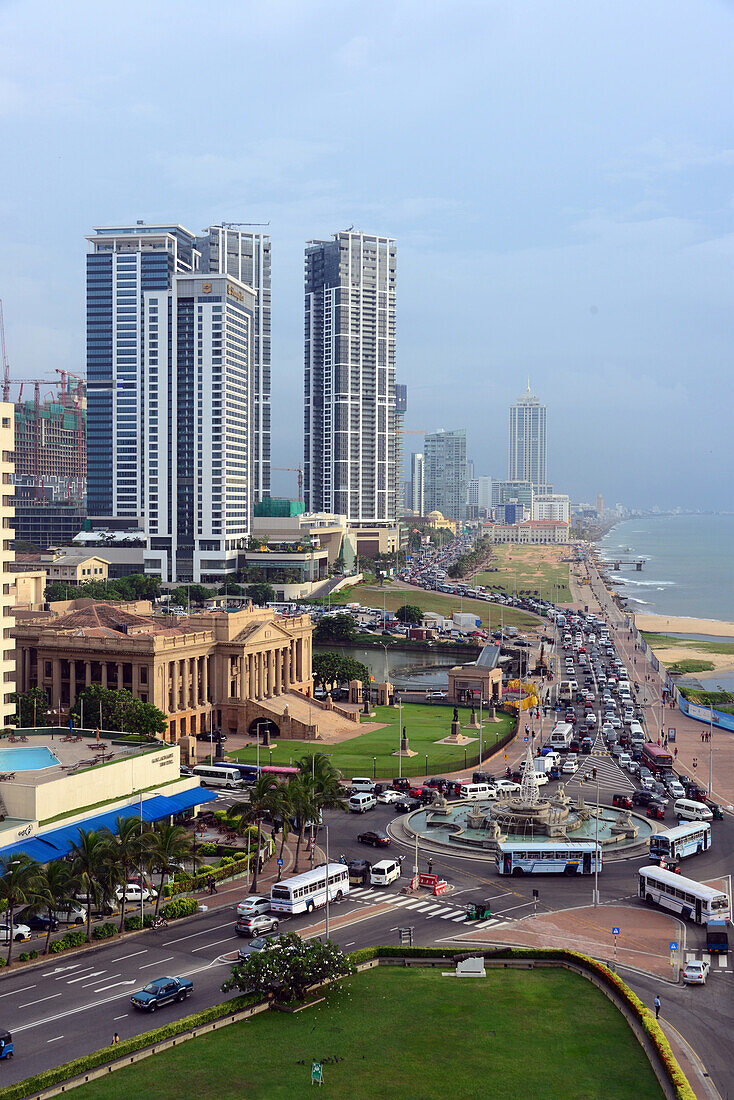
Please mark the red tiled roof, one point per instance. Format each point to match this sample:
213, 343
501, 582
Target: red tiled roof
105, 617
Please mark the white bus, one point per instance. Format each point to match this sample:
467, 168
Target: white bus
218, 775
561, 857
683, 840
306, 892
689, 899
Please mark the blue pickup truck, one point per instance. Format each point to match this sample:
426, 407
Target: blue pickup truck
161, 991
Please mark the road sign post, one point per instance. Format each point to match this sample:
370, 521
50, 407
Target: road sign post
615, 933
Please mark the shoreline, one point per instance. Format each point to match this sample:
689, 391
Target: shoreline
682, 624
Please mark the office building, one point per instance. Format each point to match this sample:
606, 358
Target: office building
401, 407
527, 533
196, 379
445, 473
479, 497
349, 378
551, 506
417, 483
123, 265
528, 442
245, 255
512, 492
7, 558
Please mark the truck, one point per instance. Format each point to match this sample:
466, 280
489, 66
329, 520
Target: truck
466, 620
543, 764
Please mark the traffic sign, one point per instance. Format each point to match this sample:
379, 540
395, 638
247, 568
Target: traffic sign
526, 739
280, 862
615, 931
505, 755
673, 945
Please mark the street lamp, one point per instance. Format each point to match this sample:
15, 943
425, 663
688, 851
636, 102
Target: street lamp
374, 767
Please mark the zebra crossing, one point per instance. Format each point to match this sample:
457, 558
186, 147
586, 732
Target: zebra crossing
425, 907
716, 962
608, 772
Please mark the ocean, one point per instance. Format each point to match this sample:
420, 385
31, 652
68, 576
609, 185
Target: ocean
688, 564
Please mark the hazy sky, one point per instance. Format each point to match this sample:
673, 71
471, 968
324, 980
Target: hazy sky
558, 174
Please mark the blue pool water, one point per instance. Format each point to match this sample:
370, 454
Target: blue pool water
26, 760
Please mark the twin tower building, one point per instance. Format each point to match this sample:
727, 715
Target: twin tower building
179, 382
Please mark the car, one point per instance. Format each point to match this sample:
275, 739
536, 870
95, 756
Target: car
20, 932
407, 804
258, 943
656, 810
696, 972
660, 792
253, 905
676, 788
162, 991
622, 800
72, 914
401, 784
436, 695
133, 891
217, 738
506, 786
389, 796
39, 922
378, 838
256, 924
570, 766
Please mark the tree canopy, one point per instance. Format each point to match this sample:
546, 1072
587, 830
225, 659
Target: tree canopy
335, 628
117, 710
409, 613
334, 668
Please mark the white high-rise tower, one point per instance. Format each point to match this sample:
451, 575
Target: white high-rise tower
528, 442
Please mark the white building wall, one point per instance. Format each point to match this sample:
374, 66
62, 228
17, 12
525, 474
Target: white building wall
7, 557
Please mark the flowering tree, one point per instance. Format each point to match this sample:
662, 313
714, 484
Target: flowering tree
289, 967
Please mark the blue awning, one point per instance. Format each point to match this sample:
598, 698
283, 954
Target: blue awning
58, 842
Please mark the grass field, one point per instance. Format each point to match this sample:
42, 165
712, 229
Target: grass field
530, 569
393, 598
665, 641
424, 726
394, 1032
682, 668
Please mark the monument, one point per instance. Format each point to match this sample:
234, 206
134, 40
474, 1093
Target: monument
456, 737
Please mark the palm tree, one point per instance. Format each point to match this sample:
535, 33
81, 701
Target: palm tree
165, 848
20, 882
126, 849
56, 890
262, 800
282, 809
90, 860
302, 790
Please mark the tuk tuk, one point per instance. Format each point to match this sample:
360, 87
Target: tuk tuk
478, 910
716, 810
6, 1044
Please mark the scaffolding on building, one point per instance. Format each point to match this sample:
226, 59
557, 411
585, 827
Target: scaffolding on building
50, 441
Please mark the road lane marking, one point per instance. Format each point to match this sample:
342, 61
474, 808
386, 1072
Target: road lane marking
12, 991
29, 1003
103, 988
193, 934
206, 946
352, 942
83, 978
131, 956
156, 962
58, 969
55, 1039
123, 1017
65, 979
97, 979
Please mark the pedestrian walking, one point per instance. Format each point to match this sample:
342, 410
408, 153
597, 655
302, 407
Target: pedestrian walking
656, 1002
675, 752
115, 1039
430, 866
211, 884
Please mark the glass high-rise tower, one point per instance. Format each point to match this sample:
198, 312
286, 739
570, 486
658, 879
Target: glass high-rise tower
349, 378
444, 458
528, 442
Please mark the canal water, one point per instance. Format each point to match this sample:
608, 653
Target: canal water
417, 670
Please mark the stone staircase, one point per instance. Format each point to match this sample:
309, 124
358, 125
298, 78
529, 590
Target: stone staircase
330, 725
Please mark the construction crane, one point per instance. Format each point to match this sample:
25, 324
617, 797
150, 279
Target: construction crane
294, 470
6, 364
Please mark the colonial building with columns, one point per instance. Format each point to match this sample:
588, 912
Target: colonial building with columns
213, 670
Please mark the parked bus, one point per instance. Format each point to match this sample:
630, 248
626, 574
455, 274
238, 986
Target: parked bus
284, 773
689, 899
306, 892
530, 857
218, 775
656, 758
683, 840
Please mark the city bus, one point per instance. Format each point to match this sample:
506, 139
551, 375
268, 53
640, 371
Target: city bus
306, 892
656, 758
683, 840
683, 896
564, 857
219, 775
283, 773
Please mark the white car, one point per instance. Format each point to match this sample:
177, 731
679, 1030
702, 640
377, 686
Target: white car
134, 892
506, 786
389, 796
696, 973
612, 718
676, 788
20, 932
253, 906
570, 766
74, 914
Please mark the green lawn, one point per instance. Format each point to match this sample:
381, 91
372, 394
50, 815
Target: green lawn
424, 726
530, 569
392, 598
681, 668
665, 641
395, 1032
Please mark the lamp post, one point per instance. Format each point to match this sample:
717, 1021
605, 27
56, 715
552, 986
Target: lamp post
374, 767
400, 734
326, 827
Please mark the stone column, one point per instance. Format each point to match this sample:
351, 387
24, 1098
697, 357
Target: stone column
26, 669
260, 675
205, 679
120, 675
174, 684
251, 662
103, 673
72, 682
287, 669
271, 672
88, 674
279, 672
56, 682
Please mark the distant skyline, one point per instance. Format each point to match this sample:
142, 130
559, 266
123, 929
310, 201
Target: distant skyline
559, 179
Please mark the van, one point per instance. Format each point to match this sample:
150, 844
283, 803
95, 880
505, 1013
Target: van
384, 872
561, 735
637, 734
361, 802
686, 810
554, 757
474, 791
214, 775
360, 783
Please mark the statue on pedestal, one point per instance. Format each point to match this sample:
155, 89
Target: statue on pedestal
404, 747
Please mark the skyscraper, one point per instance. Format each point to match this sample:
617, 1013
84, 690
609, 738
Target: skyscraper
528, 442
246, 256
417, 483
445, 473
349, 378
123, 263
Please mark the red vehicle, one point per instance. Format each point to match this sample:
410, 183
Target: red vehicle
415, 792
656, 758
622, 800
401, 784
656, 810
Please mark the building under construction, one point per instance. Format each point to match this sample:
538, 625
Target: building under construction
51, 461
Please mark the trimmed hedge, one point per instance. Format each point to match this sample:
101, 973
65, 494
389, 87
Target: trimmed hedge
179, 907
71, 939
78, 1066
188, 884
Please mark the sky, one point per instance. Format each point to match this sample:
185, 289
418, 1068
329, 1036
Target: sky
559, 178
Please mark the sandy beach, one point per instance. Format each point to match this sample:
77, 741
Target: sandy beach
671, 624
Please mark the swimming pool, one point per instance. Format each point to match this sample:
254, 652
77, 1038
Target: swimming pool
26, 760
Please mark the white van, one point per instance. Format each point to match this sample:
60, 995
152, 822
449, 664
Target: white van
361, 783
687, 810
213, 775
384, 872
474, 791
361, 802
637, 733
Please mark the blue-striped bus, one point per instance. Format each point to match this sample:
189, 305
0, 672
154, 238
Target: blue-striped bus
683, 840
564, 857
